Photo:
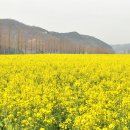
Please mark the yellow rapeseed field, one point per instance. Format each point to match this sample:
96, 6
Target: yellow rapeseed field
65, 92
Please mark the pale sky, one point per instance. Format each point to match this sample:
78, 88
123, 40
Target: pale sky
108, 20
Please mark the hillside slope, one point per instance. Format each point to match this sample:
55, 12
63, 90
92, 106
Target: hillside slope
121, 48
16, 37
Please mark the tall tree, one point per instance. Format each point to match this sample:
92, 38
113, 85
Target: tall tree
18, 42
0, 40
9, 40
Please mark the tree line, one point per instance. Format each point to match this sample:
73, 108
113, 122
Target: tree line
15, 43
18, 43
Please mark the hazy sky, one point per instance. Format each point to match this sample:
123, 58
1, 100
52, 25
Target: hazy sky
108, 20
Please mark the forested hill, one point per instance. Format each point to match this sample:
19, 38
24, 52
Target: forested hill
16, 37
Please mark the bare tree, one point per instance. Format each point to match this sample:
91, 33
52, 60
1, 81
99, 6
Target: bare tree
18, 41
39, 45
42, 47
4, 41
25, 46
0, 40
31, 45
21, 41
9, 40
36, 44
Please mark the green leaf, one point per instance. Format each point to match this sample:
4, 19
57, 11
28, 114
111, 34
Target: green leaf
1, 124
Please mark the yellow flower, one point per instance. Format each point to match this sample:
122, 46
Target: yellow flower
42, 129
125, 128
111, 126
70, 91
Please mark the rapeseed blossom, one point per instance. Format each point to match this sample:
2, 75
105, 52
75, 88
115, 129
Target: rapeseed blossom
65, 92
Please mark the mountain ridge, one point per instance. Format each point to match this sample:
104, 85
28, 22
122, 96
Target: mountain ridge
121, 48
84, 43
